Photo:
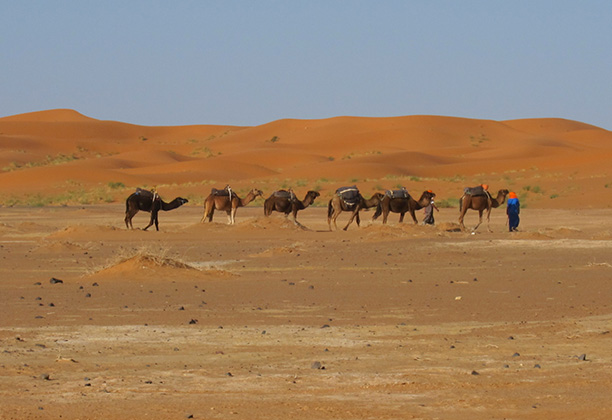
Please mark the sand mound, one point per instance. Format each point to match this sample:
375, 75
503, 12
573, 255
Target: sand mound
281, 250
448, 227
57, 247
272, 222
81, 230
560, 232
143, 265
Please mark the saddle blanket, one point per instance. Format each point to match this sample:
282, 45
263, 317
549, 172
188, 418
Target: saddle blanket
475, 191
289, 195
350, 195
222, 192
403, 193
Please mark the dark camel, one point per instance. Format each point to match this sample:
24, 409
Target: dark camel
402, 205
143, 200
280, 201
224, 203
337, 205
480, 203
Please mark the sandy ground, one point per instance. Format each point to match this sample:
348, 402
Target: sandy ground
265, 320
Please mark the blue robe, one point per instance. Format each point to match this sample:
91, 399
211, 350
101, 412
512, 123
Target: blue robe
512, 210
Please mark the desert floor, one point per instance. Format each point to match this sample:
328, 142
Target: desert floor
266, 320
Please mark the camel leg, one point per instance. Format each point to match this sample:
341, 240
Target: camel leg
401, 219
331, 215
152, 220
208, 212
233, 215
489, 220
334, 217
128, 219
353, 216
385, 216
479, 220
462, 210
416, 222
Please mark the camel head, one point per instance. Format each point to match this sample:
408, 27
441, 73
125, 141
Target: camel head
501, 195
182, 200
256, 193
313, 194
428, 195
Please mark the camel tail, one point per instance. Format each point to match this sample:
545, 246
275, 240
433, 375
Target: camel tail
330, 209
378, 212
461, 203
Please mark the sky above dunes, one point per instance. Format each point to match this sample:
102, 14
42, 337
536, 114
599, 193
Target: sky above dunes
252, 62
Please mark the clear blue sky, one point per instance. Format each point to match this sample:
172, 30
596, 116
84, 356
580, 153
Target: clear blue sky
251, 62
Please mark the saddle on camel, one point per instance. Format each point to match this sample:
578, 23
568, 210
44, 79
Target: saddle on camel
286, 194
482, 189
225, 192
350, 196
402, 193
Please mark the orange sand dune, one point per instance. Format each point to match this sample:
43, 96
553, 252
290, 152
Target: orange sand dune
52, 152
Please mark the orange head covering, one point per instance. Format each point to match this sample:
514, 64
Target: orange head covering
512, 195
429, 191
485, 186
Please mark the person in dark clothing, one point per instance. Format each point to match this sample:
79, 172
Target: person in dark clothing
513, 210
429, 213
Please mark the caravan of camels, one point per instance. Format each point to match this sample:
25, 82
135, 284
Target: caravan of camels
345, 199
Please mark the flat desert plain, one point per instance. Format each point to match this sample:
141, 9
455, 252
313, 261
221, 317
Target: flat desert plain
268, 319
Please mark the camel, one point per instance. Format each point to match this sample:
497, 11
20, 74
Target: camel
480, 203
337, 205
229, 205
285, 202
143, 200
402, 205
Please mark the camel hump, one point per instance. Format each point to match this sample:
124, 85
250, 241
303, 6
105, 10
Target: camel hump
403, 193
350, 195
289, 195
143, 192
479, 190
224, 192
348, 191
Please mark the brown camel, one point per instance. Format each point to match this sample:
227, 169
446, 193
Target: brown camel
143, 200
229, 205
286, 202
402, 205
337, 205
480, 203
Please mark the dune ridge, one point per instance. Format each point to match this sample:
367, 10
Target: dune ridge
48, 152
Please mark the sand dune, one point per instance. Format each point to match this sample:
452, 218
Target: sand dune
51, 152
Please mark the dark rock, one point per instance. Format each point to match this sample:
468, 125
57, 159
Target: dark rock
316, 365
475, 373
582, 357
193, 321
55, 281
